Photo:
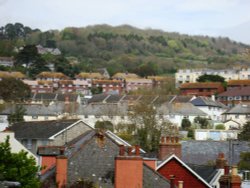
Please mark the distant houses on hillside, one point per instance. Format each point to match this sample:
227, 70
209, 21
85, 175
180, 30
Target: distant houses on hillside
191, 75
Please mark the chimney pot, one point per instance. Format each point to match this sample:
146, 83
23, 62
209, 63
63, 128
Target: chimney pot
137, 150
234, 170
226, 169
180, 184
172, 185
122, 150
129, 151
167, 139
61, 151
221, 156
172, 140
162, 140
176, 139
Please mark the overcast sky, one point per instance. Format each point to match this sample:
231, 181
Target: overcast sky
207, 17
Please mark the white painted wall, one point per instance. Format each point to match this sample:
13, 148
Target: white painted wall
205, 134
15, 145
213, 113
3, 122
240, 118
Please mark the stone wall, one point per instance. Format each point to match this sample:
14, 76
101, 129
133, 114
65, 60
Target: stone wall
70, 134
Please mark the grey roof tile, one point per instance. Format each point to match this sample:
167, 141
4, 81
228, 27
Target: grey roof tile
39, 129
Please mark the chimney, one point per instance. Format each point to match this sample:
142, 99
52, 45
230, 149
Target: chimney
180, 184
221, 161
169, 146
235, 178
172, 184
128, 168
232, 180
61, 170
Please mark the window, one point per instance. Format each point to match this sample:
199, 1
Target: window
34, 117
29, 144
46, 117
86, 116
246, 175
236, 116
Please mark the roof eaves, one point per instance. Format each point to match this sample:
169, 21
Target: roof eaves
68, 127
173, 156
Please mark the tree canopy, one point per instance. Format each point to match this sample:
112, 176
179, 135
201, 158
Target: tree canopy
18, 167
210, 78
245, 133
12, 89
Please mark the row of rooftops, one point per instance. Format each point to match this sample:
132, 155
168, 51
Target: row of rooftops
82, 75
235, 69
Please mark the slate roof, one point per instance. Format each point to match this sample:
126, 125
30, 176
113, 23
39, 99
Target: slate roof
185, 109
182, 99
244, 91
206, 101
238, 82
198, 85
114, 98
109, 109
241, 108
37, 109
40, 129
205, 171
98, 98
54, 97
152, 178
200, 152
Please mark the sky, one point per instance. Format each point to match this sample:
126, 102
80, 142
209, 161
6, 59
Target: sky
227, 18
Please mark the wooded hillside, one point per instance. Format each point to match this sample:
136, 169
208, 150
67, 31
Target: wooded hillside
126, 48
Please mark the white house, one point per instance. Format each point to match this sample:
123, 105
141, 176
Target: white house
176, 112
239, 113
211, 134
190, 75
15, 145
211, 107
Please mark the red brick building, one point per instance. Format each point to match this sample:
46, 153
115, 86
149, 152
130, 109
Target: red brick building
235, 96
201, 88
109, 86
231, 84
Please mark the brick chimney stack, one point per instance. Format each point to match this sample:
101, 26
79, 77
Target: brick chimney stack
61, 170
168, 146
232, 180
221, 161
129, 168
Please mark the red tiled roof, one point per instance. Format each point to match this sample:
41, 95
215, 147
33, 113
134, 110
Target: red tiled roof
244, 91
238, 82
198, 85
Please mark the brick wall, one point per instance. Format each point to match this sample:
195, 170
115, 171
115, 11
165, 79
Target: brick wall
173, 167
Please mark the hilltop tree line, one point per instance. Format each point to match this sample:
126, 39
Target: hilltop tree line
124, 48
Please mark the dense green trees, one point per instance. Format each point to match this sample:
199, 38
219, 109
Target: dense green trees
244, 163
17, 115
245, 132
13, 90
185, 124
18, 167
146, 52
202, 122
147, 125
210, 78
31, 60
